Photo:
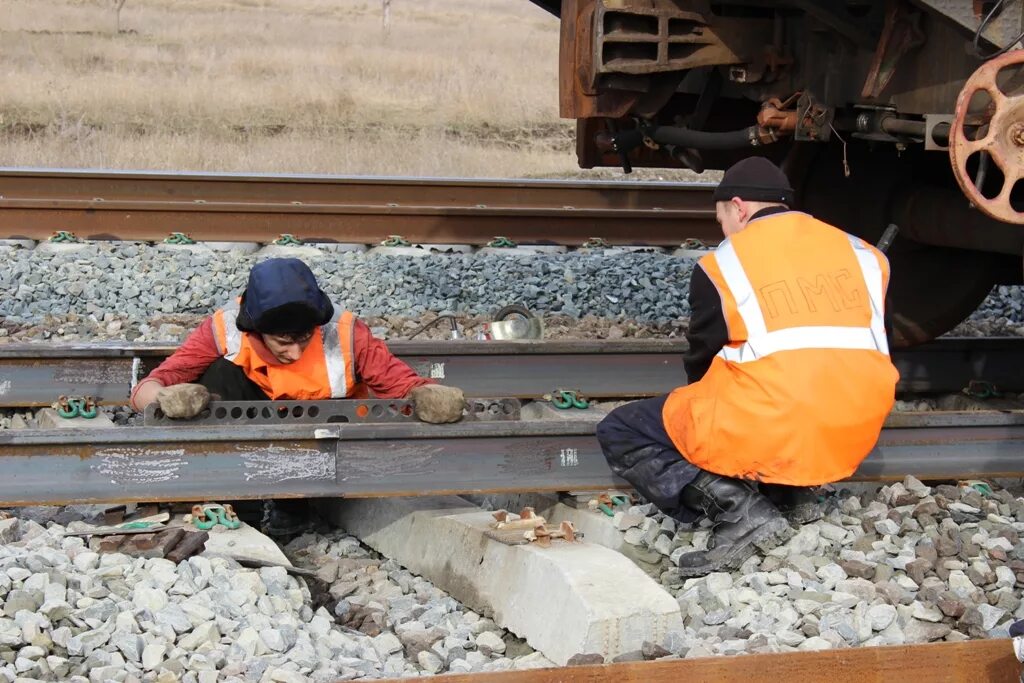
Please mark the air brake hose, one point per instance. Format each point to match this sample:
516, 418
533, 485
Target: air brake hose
752, 136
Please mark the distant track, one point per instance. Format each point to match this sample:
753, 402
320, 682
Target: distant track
110, 205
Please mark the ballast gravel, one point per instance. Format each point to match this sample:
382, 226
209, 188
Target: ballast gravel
124, 285
909, 563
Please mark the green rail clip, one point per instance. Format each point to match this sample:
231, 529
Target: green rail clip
395, 241
288, 240
982, 389
63, 236
71, 407
179, 238
564, 400
205, 517
596, 243
502, 243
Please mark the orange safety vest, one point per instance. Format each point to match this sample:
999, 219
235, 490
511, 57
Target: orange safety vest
325, 369
799, 394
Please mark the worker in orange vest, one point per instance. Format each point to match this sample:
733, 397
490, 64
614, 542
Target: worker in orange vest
789, 371
283, 339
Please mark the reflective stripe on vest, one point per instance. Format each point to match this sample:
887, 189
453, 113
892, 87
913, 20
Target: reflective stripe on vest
337, 351
760, 342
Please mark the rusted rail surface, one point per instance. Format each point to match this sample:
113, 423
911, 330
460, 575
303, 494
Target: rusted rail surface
260, 208
36, 374
974, 661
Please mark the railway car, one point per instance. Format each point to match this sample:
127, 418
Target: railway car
880, 111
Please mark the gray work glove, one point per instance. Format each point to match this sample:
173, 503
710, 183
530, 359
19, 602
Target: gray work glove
183, 400
437, 404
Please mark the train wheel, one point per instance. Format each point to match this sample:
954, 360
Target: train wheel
932, 288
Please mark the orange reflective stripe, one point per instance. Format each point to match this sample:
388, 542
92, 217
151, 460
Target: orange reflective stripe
346, 335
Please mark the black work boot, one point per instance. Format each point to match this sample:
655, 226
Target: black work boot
798, 504
287, 517
744, 521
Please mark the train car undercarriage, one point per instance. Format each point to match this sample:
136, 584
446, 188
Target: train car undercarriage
879, 111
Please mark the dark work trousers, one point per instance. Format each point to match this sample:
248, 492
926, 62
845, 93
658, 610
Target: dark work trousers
228, 381
639, 450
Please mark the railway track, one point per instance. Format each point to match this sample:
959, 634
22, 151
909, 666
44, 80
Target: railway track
36, 374
112, 205
559, 453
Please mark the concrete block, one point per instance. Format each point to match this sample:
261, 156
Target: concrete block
623, 249
237, 248
278, 251
240, 248
65, 247
694, 254
244, 543
23, 244
423, 250
47, 418
342, 247
525, 250
568, 599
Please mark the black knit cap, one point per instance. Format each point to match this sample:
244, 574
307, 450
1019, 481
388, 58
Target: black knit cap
755, 179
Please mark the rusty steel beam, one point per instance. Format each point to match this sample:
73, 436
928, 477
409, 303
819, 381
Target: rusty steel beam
260, 208
36, 374
33, 375
186, 463
973, 661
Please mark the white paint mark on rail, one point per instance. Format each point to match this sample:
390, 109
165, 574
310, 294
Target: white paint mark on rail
5, 387
139, 465
277, 463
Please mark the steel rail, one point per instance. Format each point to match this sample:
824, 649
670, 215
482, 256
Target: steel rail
37, 374
62, 466
972, 661
259, 208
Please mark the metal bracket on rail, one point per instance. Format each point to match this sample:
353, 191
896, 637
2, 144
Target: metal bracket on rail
528, 527
205, 517
76, 406
501, 242
564, 399
396, 241
288, 240
179, 238
63, 236
370, 411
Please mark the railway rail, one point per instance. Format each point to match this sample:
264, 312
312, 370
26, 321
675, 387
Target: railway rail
60, 466
37, 374
973, 661
145, 206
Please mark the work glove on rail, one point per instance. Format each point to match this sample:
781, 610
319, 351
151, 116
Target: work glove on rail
437, 404
183, 401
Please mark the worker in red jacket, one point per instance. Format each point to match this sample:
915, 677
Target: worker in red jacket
283, 339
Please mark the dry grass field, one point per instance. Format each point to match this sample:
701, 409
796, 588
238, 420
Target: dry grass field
456, 87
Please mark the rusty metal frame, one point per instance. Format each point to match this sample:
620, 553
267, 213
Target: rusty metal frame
359, 460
